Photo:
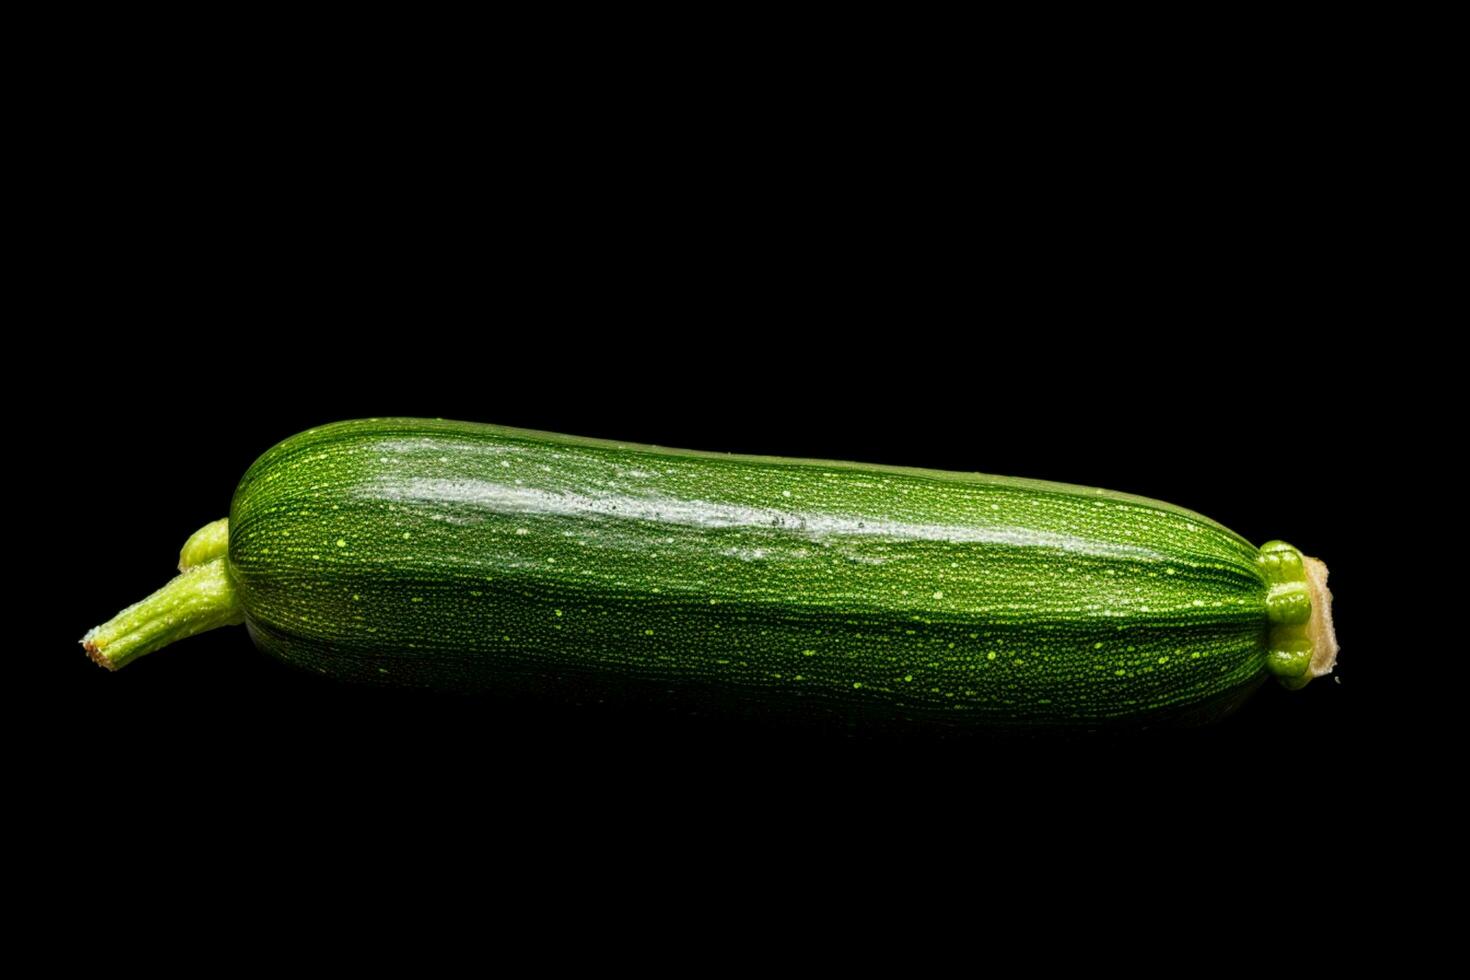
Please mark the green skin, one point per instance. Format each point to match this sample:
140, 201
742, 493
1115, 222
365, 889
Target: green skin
468, 556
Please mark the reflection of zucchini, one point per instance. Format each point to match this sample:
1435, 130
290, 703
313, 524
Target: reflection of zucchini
468, 556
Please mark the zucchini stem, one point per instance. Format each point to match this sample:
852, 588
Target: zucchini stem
199, 599
206, 544
1302, 643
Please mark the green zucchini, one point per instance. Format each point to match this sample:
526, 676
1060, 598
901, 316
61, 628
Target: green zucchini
469, 556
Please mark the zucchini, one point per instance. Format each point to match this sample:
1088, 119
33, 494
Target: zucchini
468, 556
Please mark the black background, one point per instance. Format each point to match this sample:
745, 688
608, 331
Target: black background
1201, 260
1159, 313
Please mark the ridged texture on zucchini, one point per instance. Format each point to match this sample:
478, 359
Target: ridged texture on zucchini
462, 555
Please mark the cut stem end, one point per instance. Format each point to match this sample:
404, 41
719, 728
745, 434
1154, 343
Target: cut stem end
1319, 628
